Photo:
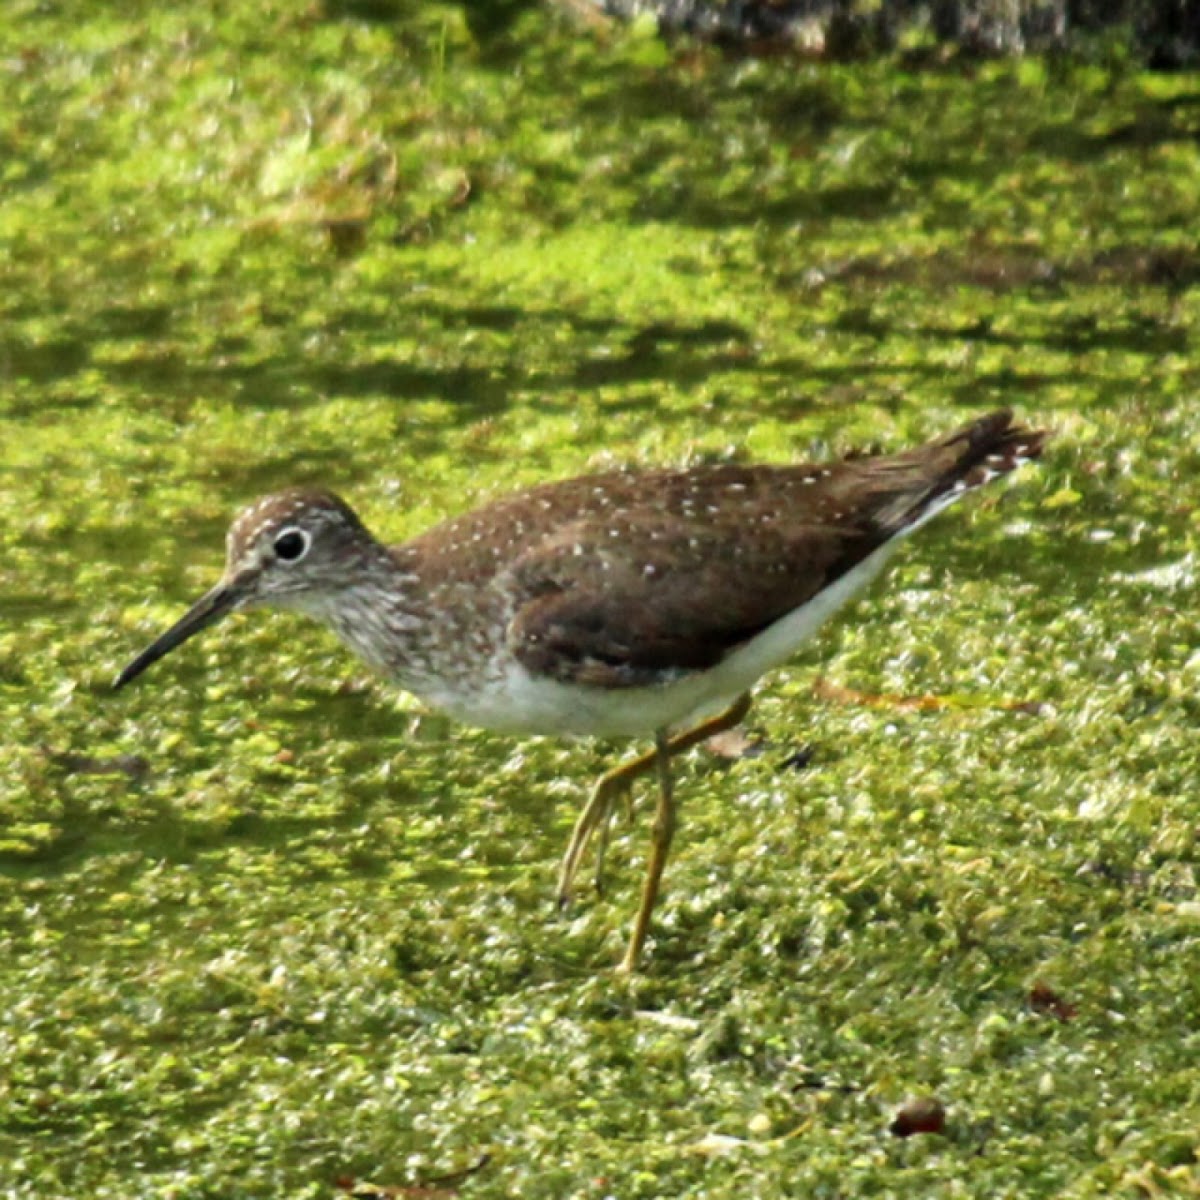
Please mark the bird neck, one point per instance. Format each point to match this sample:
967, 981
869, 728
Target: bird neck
377, 611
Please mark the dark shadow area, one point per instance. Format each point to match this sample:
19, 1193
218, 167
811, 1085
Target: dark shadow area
42, 361
1006, 270
656, 352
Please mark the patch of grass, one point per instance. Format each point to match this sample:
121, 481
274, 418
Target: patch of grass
265, 925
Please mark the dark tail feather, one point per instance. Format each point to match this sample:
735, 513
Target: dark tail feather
960, 462
995, 446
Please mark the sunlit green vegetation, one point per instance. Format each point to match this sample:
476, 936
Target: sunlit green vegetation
264, 924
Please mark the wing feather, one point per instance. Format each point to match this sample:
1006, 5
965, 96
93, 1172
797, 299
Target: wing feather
662, 602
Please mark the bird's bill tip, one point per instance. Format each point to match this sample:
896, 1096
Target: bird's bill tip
209, 609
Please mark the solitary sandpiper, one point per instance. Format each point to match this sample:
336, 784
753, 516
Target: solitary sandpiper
633, 603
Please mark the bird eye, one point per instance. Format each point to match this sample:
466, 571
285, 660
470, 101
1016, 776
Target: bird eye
291, 544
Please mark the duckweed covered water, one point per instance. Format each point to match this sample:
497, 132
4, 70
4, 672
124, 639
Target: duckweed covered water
267, 927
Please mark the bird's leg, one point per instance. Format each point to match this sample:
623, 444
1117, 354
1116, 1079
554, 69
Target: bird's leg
597, 813
660, 846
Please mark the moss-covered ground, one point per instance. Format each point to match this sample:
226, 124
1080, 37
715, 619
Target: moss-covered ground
265, 926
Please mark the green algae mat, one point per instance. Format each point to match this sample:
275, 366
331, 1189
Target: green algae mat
270, 930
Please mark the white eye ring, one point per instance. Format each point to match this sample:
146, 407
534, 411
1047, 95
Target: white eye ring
291, 544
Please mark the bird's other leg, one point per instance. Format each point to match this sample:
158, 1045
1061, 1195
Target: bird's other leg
597, 813
625, 792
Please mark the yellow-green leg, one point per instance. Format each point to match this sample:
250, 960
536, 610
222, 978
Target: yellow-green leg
612, 785
660, 847
597, 814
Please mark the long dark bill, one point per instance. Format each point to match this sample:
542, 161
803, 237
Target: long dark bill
209, 609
